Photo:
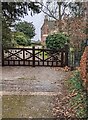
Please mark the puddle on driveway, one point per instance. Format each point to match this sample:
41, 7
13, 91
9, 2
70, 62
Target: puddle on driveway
17, 106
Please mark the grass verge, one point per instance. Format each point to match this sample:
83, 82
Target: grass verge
78, 95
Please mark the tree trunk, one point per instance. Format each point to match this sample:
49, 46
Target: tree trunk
60, 17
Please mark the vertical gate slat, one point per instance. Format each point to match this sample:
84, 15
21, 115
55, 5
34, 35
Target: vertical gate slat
28, 62
33, 56
8, 62
23, 57
13, 62
38, 63
66, 59
43, 56
66, 55
52, 63
47, 63
62, 58
56, 63
19, 62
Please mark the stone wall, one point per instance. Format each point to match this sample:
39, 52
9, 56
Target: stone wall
84, 67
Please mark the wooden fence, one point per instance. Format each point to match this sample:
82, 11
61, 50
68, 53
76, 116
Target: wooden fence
34, 57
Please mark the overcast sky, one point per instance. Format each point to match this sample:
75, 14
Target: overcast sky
38, 20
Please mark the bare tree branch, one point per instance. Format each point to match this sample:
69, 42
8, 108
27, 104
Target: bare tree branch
64, 8
50, 14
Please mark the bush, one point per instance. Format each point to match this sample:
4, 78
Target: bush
21, 39
56, 41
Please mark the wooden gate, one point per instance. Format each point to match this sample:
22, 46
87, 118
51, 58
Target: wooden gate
34, 57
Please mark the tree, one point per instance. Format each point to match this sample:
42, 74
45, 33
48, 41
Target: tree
54, 10
77, 25
57, 10
73, 12
77, 32
20, 38
56, 41
11, 12
27, 28
6, 35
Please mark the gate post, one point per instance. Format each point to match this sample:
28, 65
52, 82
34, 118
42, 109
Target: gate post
66, 54
33, 56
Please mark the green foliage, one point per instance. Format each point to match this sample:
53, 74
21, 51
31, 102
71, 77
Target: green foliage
11, 12
24, 32
21, 39
75, 81
7, 40
79, 101
56, 41
27, 28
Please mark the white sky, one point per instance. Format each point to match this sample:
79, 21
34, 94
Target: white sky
38, 20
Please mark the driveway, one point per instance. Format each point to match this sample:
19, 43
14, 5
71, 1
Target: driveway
32, 79
29, 92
